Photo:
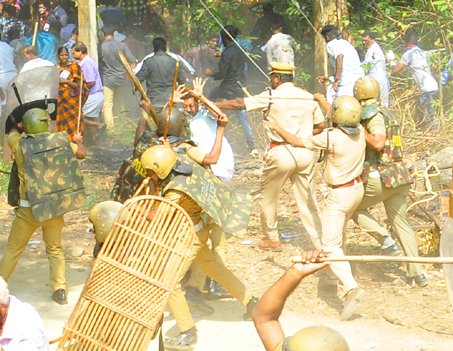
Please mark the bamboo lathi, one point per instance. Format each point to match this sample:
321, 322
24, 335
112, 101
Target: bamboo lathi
139, 88
371, 258
171, 102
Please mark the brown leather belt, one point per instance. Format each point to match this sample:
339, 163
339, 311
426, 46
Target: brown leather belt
348, 184
273, 144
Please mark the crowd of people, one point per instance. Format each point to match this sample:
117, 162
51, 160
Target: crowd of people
351, 126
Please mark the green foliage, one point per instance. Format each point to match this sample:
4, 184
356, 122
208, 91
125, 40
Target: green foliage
191, 23
4, 176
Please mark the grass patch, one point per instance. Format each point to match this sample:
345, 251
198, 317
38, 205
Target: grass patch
5, 168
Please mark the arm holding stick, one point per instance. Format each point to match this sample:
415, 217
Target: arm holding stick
270, 306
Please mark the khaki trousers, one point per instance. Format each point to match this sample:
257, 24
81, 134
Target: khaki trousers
286, 162
202, 255
23, 227
340, 206
219, 249
114, 98
395, 205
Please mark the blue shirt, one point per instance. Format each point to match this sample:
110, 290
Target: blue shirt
47, 45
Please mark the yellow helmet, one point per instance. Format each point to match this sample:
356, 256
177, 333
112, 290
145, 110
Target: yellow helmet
102, 215
346, 111
366, 88
316, 338
160, 159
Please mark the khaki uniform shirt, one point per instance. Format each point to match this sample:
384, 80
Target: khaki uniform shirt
375, 125
346, 154
294, 116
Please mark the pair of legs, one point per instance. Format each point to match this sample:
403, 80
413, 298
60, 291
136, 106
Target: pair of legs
218, 247
296, 164
113, 96
23, 227
340, 206
92, 111
245, 124
212, 266
394, 200
426, 113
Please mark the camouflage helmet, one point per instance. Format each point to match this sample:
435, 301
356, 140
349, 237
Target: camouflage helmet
36, 120
160, 159
346, 111
316, 338
177, 122
102, 216
366, 88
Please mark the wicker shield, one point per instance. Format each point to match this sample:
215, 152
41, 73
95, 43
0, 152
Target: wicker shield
123, 300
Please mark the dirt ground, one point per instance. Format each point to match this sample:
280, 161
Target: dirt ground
394, 315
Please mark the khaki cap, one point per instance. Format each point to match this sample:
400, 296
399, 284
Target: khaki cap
281, 68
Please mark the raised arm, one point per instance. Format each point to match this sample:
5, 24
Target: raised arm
213, 156
269, 308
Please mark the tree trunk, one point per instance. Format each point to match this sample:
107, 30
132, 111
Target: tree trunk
87, 26
325, 12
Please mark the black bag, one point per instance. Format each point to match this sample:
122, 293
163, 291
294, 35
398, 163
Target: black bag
13, 186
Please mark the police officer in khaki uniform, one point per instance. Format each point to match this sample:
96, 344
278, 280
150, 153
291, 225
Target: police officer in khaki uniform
182, 180
35, 208
387, 178
283, 161
345, 148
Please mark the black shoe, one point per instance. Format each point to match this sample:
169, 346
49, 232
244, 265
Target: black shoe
216, 291
195, 299
247, 316
421, 280
183, 342
59, 296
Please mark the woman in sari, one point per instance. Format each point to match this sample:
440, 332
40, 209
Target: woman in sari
68, 95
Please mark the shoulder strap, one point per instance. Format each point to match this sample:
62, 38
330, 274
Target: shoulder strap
268, 109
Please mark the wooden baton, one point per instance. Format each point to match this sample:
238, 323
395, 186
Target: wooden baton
377, 258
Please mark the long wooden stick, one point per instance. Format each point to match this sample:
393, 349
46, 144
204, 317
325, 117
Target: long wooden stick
170, 103
139, 87
35, 33
79, 117
209, 104
371, 258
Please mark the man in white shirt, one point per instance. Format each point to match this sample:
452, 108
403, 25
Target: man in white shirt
21, 328
33, 61
417, 61
281, 46
204, 131
345, 60
374, 65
